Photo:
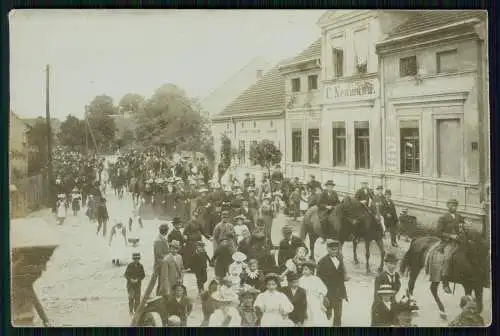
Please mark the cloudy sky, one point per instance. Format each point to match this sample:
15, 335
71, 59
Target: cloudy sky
114, 52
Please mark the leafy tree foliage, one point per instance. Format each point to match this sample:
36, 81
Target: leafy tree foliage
37, 142
173, 121
131, 103
266, 154
102, 125
72, 133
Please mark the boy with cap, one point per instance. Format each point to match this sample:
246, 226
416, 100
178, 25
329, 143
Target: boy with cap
134, 275
297, 297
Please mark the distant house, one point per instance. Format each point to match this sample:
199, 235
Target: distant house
18, 149
221, 97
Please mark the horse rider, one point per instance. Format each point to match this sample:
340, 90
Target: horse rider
449, 226
364, 194
327, 201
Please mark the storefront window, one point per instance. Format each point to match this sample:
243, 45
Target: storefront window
362, 144
339, 144
314, 145
296, 145
410, 147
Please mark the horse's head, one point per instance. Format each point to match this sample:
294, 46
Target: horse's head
472, 258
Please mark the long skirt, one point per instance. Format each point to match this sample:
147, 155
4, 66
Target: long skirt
278, 224
118, 249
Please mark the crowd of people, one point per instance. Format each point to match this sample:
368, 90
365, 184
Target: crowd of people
264, 273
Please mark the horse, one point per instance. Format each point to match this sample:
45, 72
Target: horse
349, 219
469, 265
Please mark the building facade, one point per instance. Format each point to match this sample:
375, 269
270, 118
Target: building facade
255, 115
435, 114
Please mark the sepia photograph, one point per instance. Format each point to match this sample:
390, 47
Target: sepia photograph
249, 168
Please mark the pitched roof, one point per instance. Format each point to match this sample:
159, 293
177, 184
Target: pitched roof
311, 52
430, 19
267, 94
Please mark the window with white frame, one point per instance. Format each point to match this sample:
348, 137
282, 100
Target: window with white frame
312, 82
295, 84
296, 145
314, 145
339, 144
362, 144
447, 61
409, 146
361, 48
338, 62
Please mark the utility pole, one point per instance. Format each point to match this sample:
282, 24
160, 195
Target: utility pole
49, 135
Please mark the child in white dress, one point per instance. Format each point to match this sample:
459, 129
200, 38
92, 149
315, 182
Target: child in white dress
236, 269
315, 294
273, 304
240, 228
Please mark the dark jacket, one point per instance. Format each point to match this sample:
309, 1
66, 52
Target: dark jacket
160, 249
299, 301
287, 250
333, 278
182, 308
328, 198
221, 260
384, 278
448, 224
382, 316
361, 195
467, 319
135, 271
388, 211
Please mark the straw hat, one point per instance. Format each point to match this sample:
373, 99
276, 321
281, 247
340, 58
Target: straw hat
239, 256
226, 296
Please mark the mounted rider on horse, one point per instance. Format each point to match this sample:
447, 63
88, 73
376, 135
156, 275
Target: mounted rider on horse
327, 202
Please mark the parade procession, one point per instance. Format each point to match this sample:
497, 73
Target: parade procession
171, 227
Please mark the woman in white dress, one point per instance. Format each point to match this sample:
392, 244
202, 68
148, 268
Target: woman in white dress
315, 294
227, 315
273, 305
61, 208
118, 243
279, 221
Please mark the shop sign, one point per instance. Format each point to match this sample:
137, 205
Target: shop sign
362, 88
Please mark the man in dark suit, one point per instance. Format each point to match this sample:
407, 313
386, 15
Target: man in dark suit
331, 271
449, 226
389, 276
288, 247
364, 194
297, 297
327, 201
388, 212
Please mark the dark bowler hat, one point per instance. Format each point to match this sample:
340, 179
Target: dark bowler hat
176, 220
391, 258
388, 192
136, 256
380, 187
272, 276
177, 285
452, 201
329, 183
292, 276
332, 243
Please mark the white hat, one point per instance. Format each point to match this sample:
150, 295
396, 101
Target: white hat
225, 296
239, 256
203, 190
61, 196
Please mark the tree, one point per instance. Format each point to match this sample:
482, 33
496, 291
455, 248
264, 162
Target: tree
266, 154
131, 103
102, 125
37, 141
226, 155
126, 139
72, 133
171, 120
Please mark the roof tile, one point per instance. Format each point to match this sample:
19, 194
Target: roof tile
311, 52
433, 19
265, 95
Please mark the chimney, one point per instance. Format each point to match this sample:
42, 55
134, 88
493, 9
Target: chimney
259, 74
